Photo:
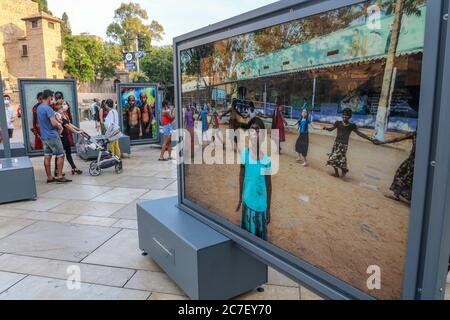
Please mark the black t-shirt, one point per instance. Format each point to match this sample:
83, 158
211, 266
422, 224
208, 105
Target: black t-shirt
344, 131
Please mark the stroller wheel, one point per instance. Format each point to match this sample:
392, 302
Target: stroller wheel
94, 169
119, 168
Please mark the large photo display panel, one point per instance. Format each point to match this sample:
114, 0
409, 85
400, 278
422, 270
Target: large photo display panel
138, 112
343, 89
65, 93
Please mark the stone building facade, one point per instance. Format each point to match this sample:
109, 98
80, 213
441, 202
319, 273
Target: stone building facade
30, 43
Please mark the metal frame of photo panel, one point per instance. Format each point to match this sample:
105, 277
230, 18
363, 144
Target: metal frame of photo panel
23, 104
119, 107
429, 230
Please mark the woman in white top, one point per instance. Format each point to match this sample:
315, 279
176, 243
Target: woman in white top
112, 122
10, 116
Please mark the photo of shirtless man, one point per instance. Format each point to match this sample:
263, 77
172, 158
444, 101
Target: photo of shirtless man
146, 117
133, 118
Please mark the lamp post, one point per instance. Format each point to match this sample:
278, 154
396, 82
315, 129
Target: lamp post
138, 60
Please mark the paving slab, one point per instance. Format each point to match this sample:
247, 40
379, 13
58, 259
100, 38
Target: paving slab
59, 269
154, 282
121, 195
76, 192
122, 251
48, 216
40, 288
126, 224
159, 194
273, 293
94, 221
9, 226
88, 208
60, 241
8, 279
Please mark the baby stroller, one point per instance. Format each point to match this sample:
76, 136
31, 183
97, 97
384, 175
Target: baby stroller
101, 146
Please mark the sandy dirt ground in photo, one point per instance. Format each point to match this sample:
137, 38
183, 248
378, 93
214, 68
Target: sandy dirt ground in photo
342, 226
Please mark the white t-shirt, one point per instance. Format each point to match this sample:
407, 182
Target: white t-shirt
252, 114
10, 117
112, 118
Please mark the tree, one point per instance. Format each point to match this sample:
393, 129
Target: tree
110, 58
139, 77
292, 33
158, 66
401, 6
88, 58
129, 24
43, 6
66, 29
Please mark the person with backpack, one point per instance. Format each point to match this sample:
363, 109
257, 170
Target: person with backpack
111, 125
95, 108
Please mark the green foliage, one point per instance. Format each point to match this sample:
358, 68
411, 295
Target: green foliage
158, 66
43, 6
87, 58
129, 23
139, 77
66, 29
410, 7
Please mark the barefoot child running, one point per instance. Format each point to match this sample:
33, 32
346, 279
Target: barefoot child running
338, 156
255, 185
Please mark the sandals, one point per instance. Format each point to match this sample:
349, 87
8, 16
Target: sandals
77, 171
63, 180
51, 180
162, 159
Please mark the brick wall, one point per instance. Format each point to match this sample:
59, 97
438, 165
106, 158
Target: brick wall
44, 58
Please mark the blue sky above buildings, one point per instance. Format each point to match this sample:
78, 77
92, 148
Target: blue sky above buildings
177, 17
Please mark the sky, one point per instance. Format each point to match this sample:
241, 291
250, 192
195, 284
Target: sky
176, 16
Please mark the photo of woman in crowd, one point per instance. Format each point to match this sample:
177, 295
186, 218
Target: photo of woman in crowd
338, 157
302, 145
215, 124
255, 184
279, 123
189, 125
205, 123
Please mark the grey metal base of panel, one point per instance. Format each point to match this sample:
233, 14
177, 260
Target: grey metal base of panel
124, 143
17, 180
17, 150
203, 263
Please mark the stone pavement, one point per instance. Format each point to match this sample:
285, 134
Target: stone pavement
91, 224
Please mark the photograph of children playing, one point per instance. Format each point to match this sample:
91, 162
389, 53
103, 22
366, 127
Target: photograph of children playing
346, 115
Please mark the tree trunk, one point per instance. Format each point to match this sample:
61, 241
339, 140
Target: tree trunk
383, 107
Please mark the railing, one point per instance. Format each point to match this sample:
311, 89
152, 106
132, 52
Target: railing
267, 109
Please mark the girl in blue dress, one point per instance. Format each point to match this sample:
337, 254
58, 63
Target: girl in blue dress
302, 145
255, 185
